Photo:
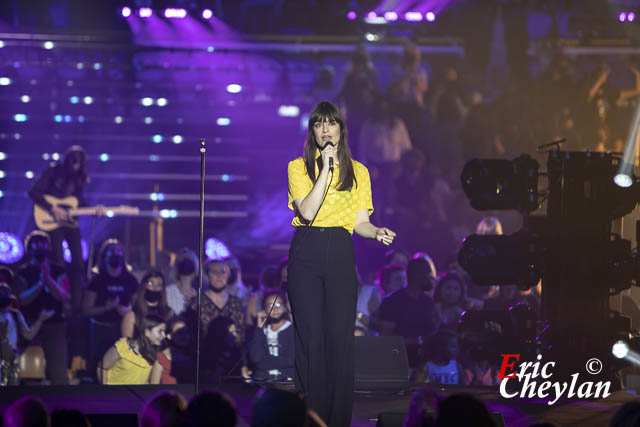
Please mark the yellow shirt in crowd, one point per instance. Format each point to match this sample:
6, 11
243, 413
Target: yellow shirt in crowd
340, 207
132, 368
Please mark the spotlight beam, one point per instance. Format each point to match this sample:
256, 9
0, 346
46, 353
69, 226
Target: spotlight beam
624, 178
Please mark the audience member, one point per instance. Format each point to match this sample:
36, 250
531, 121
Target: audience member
211, 409
27, 412
281, 408
369, 300
151, 298
410, 312
463, 410
450, 299
129, 360
107, 299
43, 286
392, 277
442, 366
396, 256
175, 364
271, 350
182, 291
69, 418
12, 327
421, 409
235, 285
223, 346
164, 409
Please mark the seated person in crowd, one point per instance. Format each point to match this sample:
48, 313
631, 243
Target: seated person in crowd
151, 298
224, 349
450, 299
42, 285
369, 300
235, 286
129, 360
392, 277
182, 291
107, 299
272, 348
410, 312
442, 366
12, 326
175, 364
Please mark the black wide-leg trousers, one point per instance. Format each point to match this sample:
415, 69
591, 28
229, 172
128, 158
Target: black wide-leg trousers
323, 294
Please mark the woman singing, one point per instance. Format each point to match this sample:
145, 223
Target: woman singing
331, 200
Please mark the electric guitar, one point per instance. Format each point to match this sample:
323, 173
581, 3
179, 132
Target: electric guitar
46, 222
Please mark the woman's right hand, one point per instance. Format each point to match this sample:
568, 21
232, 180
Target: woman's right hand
327, 152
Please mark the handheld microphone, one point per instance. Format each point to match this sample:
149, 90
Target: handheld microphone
330, 158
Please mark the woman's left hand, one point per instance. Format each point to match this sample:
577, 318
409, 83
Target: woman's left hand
385, 236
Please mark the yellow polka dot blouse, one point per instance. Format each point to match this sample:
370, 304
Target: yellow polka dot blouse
340, 207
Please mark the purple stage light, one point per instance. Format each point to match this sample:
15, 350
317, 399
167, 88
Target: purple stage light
413, 16
207, 14
173, 13
352, 15
622, 17
372, 15
430, 16
215, 249
145, 12
631, 16
391, 16
11, 249
126, 12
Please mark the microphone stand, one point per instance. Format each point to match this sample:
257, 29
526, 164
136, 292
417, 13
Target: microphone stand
203, 150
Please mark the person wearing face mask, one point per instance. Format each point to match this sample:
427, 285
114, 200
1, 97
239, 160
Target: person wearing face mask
150, 299
12, 326
65, 178
107, 299
182, 291
410, 312
272, 350
43, 285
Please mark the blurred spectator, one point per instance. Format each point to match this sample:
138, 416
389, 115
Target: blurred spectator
478, 295
12, 327
175, 364
450, 299
410, 312
182, 291
281, 408
369, 300
392, 277
69, 418
107, 299
396, 256
408, 86
272, 348
151, 298
463, 410
223, 346
164, 409
27, 412
43, 287
129, 360
442, 366
628, 415
421, 409
235, 286
359, 87
217, 301
383, 141
211, 409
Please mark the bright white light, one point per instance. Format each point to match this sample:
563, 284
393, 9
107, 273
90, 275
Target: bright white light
375, 20
48, 45
211, 49
1, 44
207, 14
148, 120
104, 157
620, 349
623, 180
430, 16
88, 100
175, 13
145, 12
55, 156
117, 119
146, 101
223, 121
2, 174
126, 12
169, 213
29, 174
413, 16
3, 155
289, 111
371, 37
97, 66
161, 102
74, 100
20, 117
234, 88
1, 193
157, 139
215, 249
177, 139
5, 81
25, 98
391, 16
109, 214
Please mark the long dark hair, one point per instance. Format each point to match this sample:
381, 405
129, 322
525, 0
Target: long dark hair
75, 154
140, 306
325, 110
145, 347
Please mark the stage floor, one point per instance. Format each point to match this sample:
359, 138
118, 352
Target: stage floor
119, 404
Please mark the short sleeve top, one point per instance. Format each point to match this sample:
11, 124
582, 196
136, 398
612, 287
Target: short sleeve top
340, 207
132, 368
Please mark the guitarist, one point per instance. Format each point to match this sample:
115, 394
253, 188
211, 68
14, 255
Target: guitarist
65, 178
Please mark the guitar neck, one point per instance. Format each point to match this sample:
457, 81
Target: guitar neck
83, 211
